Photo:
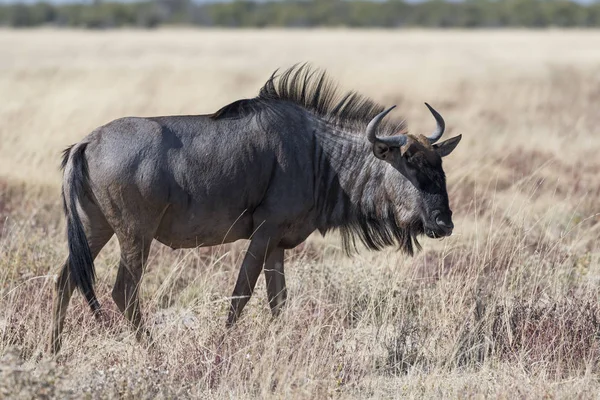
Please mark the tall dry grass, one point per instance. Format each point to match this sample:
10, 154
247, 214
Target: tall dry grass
507, 307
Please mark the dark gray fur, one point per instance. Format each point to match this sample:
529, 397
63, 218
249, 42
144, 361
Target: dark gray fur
272, 169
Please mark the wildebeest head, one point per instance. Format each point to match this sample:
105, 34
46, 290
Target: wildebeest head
419, 159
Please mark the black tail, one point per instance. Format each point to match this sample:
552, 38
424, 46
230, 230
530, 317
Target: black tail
75, 185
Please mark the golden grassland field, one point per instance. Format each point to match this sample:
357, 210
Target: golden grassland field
508, 307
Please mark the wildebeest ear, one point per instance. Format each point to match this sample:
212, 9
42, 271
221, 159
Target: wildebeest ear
381, 150
446, 147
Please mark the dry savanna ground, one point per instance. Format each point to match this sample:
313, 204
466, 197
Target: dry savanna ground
508, 307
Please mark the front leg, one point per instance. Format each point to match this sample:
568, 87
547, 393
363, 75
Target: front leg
258, 252
275, 279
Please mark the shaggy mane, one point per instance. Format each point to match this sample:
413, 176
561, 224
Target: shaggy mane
316, 93
312, 90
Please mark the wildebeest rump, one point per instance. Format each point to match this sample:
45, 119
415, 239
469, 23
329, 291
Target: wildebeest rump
272, 169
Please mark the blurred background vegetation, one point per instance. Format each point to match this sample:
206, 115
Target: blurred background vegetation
306, 13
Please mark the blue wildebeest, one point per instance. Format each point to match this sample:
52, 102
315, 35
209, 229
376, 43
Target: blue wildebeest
273, 169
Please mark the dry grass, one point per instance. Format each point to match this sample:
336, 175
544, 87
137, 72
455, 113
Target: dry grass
507, 307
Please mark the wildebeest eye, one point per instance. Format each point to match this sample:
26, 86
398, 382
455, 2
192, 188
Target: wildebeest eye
422, 179
424, 182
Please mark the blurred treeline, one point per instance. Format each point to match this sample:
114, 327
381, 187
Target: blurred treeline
307, 13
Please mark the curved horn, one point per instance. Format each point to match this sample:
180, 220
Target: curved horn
372, 127
394, 141
441, 125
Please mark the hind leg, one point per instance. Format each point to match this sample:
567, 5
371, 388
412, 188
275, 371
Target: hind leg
134, 254
98, 234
